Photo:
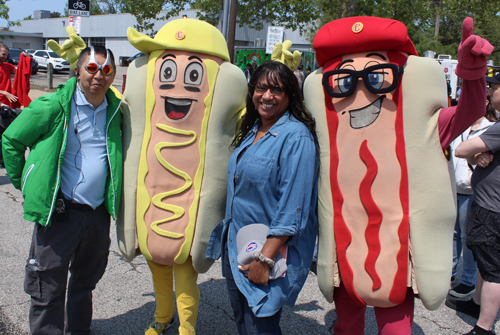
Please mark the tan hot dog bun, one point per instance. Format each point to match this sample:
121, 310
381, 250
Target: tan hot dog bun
133, 107
430, 178
179, 169
431, 193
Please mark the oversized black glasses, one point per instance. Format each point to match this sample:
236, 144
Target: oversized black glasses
275, 90
380, 78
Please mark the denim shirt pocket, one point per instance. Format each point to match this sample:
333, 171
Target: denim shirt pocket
257, 169
214, 249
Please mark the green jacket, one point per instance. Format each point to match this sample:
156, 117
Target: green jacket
43, 125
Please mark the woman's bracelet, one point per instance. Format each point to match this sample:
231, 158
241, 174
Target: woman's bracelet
261, 258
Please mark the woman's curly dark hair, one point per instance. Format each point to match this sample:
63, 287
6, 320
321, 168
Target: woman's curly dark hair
276, 72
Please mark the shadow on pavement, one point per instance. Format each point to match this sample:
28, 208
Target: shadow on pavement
4, 180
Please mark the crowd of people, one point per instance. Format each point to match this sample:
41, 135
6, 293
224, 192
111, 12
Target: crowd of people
278, 189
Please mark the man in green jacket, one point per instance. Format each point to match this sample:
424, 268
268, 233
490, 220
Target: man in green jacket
71, 182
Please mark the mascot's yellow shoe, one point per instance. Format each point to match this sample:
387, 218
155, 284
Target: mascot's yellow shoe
157, 328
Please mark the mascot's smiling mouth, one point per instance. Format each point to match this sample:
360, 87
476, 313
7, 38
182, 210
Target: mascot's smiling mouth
177, 109
363, 117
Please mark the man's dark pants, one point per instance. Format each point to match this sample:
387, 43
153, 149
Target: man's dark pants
80, 244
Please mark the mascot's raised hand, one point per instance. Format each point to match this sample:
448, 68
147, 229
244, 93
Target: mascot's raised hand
281, 53
70, 49
472, 53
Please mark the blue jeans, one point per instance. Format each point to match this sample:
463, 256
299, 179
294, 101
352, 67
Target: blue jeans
469, 274
246, 321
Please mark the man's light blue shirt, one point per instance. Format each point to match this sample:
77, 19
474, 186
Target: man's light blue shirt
273, 182
85, 163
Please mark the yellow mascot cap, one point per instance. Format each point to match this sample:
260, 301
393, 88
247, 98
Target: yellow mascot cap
182, 34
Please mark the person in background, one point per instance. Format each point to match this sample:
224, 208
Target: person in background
6, 70
483, 225
308, 70
248, 72
463, 173
493, 82
299, 73
71, 183
272, 181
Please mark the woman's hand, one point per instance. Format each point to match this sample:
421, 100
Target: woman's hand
483, 159
258, 272
10, 96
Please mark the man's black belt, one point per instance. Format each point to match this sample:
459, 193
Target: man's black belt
79, 207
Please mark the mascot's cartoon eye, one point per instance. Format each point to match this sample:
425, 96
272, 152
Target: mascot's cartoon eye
168, 71
344, 83
193, 74
376, 79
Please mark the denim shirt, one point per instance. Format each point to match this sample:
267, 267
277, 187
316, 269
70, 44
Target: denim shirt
273, 182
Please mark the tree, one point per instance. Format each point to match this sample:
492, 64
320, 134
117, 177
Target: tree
4, 14
54, 14
432, 24
293, 14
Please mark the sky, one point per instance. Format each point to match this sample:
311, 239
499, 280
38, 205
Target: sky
19, 9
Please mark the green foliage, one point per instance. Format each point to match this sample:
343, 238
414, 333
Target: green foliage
54, 14
148, 11
432, 24
291, 14
29, 17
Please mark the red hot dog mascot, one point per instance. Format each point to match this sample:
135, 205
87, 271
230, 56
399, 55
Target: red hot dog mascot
386, 197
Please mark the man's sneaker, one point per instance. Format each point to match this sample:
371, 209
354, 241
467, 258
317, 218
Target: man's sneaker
468, 307
480, 331
158, 328
462, 291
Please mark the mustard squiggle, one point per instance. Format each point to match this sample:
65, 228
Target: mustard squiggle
157, 199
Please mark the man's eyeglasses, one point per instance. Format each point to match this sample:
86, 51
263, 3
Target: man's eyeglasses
380, 78
275, 90
92, 66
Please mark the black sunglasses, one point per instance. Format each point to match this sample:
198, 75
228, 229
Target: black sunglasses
275, 90
380, 78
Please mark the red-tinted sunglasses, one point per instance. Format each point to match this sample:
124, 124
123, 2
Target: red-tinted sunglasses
92, 66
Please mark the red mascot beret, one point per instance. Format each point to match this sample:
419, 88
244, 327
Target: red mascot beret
358, 34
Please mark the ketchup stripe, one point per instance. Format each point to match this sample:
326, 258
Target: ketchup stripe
372, 231
343, 236
399, 287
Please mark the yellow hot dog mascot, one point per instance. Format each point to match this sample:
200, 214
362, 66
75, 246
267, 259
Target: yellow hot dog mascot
179, 141
181, 106
386, 204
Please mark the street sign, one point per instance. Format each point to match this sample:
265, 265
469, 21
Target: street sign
75, 21
79, 7
274, 35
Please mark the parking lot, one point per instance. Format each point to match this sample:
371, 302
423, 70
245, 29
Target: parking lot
40, 81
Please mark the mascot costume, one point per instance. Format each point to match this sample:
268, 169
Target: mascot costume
181, 107
386, 195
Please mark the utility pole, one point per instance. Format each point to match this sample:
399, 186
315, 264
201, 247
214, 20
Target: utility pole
231, 34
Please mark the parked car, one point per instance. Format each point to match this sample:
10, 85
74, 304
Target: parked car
15, 54
134, 57
45, 57
30, 51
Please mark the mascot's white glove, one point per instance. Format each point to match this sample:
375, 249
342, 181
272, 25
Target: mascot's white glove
70, 49
281, 53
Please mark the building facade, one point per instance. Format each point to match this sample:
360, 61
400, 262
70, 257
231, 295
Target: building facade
111, 32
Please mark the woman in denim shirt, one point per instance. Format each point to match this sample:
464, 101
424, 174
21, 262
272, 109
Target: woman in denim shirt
272, 180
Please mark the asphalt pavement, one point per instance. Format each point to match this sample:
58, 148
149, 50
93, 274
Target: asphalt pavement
124, 298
